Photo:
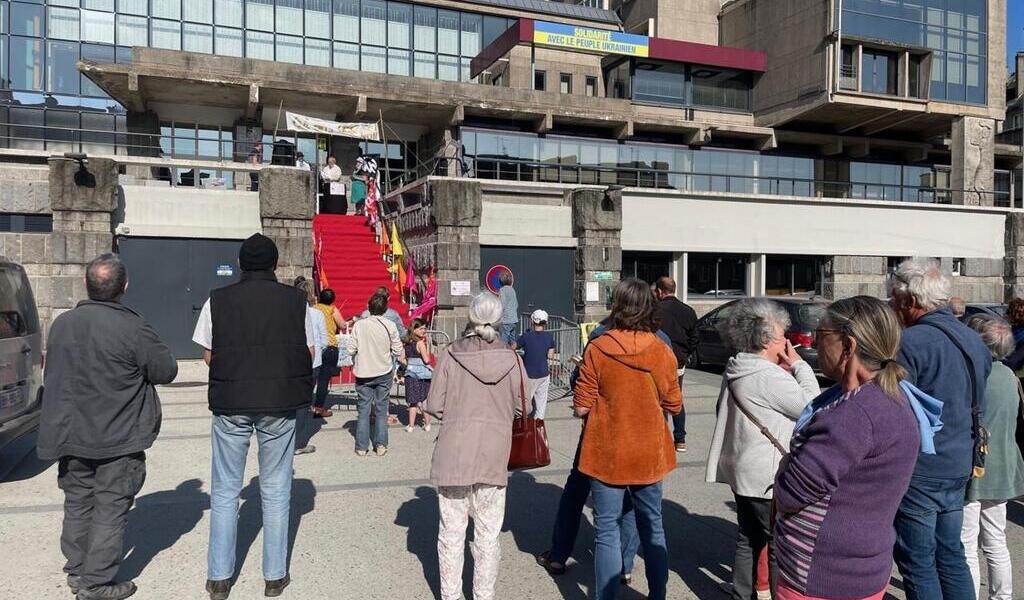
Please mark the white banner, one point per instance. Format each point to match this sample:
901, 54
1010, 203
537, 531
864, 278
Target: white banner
363, 131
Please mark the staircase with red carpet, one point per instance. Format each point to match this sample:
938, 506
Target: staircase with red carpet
351, 261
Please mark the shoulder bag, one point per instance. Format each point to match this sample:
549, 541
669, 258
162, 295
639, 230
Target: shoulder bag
529, 437
760, 426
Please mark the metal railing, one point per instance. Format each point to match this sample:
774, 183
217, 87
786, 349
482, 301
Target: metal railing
568, 344
848, 77
767, 185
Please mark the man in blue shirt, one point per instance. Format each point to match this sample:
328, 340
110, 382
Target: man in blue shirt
538, 348
946, 360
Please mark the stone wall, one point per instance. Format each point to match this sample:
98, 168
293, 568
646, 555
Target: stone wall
847, 276
972, 162
597, 226
286, 212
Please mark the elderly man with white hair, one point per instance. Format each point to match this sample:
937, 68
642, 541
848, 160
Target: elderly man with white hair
948, 361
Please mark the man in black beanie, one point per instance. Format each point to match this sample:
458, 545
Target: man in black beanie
258, 341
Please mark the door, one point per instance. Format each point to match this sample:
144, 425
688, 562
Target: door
20, 344
542, 277
169, 280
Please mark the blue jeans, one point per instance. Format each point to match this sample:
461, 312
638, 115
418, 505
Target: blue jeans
928, 551
608, 566
275, 434
567, 522
374, 392
508, 333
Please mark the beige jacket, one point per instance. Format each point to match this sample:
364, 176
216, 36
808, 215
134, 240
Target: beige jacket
476, 389
374, 345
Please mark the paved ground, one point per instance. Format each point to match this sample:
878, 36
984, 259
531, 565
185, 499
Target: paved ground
362, 527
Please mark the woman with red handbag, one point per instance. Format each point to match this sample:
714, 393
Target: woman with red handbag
476, 390
626, 382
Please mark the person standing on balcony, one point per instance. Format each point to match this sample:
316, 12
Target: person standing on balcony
334, 200
509, 307
359, 190
257, 337
679, 322
100, 414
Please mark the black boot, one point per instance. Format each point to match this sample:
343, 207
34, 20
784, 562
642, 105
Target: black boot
276, 587
219, 590
110, 591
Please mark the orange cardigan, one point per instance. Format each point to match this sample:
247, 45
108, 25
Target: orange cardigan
627, 381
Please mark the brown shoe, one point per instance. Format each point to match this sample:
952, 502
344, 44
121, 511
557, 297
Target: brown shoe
680, 446
322, 413
276, 587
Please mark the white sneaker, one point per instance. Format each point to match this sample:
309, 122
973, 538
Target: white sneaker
426, 427
408, 428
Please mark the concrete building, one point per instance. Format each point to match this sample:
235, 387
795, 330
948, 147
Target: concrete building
756, 148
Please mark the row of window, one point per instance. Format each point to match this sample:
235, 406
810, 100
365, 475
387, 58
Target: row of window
676, 84
517, 156
954, 30
540, 83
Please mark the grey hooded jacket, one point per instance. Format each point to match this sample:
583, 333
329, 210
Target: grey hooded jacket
477, 388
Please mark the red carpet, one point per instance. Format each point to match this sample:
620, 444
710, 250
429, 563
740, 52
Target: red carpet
350, 259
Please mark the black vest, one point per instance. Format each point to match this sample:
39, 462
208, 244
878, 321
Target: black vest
260, 361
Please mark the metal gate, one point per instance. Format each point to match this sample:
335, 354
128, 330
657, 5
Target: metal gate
169, 280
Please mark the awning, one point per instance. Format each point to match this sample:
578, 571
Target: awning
304, 124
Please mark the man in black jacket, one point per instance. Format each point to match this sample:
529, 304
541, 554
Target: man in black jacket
100, 413
258, 340
679, 322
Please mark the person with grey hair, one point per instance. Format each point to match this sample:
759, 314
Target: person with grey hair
947, 361
100, 414
476, 390
985, 511
509, 308
765, 387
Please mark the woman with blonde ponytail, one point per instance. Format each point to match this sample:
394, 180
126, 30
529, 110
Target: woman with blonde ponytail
852, 456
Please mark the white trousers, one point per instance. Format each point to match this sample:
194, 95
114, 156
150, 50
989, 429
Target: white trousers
987, 521
538, 390
486, 505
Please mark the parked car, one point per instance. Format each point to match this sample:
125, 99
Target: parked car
804, 315
21, 354
984, 308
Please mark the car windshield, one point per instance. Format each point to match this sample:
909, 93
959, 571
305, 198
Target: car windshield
809, 315
18, 315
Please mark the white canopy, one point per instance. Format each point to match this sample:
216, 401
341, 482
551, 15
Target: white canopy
363, 131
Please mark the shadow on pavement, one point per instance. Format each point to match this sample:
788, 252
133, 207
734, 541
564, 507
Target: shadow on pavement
158, 521
19, 461
420, 517
250, 517
700, 549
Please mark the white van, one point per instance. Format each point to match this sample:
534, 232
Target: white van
21, 354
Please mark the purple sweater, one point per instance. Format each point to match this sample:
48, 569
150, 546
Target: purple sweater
837, 496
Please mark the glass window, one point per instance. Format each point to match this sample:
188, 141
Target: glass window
166, 34
166, 9
104, 5
374, 59
426, 29
879, 72
591, 86
259, 45
565, 83
228, 42
447, 32
200, 11
425, 65
197, 38
493, 28
259, 14
717, 275
27, 19
289, 49
64, 23
228, 12
540, 80
373, 22
955, 77
723, 88
132, 31
289, 17
4, 10
133, 7
346, 20
660, 83
30, 122
318, 19
793, 276
62, 75
97, 26
398, 61
447, 68
68, 3
318, 52
472, 32
26, 64
95, 138
62, 125
346, 56
100, 54
399, 19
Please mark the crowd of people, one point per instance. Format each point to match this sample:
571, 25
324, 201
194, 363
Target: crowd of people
910, 457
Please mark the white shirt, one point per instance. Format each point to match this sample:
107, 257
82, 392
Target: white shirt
203, 335
331, 173
319, 335
302, 164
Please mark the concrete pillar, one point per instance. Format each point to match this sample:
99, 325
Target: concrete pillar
83, 204
973, 145
679, 271
756, 274
1013, 273
847, 276
597, 226
286, 213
